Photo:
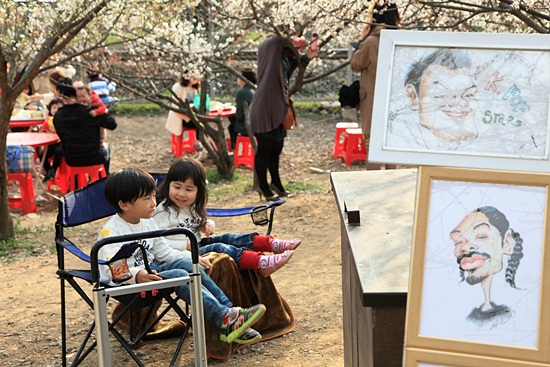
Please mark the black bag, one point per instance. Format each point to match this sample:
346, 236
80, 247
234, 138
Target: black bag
348, 96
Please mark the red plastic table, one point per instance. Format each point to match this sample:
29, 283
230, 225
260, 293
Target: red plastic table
32, 139
15, 123
226, 112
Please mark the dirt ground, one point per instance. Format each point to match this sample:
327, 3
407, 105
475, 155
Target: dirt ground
310, 282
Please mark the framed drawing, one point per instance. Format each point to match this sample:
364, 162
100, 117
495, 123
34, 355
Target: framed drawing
423, 358
480, 274
473, 100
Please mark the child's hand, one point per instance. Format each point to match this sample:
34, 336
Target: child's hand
93, 113
206, 264
208, 229
143, 276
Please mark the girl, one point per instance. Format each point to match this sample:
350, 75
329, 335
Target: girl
54, 150
183, 197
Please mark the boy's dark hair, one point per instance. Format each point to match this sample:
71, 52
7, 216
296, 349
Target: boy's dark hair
181, 170
250, 75
65, 88
54, 102
128, 185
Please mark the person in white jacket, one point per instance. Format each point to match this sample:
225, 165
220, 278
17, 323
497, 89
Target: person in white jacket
183, 196
132, 192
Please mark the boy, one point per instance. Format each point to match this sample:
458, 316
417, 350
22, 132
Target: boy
132, 192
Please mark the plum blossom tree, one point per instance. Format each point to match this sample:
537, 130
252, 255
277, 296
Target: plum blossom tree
155, 41
34, 32
513, 16
206, 40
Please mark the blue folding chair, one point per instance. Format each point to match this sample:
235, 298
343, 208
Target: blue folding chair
87, 205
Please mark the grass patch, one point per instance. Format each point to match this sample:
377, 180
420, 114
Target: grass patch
220, 186
307, 187
27, 242
139, 109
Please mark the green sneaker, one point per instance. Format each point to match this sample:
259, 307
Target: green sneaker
238, 320
250, 336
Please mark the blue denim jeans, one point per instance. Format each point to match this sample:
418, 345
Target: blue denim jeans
215, 302
232, 244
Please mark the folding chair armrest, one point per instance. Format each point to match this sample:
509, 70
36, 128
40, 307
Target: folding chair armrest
276, 203
137, 236
73, 249
272, 208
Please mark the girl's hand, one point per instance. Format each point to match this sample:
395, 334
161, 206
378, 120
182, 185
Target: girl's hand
143, 276
208, 229
206, 264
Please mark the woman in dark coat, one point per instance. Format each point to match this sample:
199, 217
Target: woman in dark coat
276, 62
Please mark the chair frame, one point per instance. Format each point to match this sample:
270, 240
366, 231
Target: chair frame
100, 293
86, 206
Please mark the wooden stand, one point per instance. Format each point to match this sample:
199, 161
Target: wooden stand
375, 263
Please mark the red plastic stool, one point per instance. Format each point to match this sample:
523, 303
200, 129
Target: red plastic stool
243, 154
69, 178
82, 176
339, 138
26, 202
61, 178
354, 146
184, 142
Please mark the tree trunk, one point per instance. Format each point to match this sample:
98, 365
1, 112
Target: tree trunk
6, 223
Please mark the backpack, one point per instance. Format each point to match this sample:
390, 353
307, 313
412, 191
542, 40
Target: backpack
348, 96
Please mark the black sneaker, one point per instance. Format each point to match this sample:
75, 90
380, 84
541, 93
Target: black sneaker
250, 336
50, 175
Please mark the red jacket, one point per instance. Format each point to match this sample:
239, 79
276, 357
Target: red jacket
98, 105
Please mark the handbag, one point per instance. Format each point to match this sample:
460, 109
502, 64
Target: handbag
290, 119
19, 158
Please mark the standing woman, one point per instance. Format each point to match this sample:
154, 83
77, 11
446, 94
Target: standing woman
382, 15
186, 90
276, 62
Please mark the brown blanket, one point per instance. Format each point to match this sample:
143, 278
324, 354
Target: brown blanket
244, 288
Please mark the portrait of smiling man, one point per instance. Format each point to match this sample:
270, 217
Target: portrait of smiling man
482, 241
441, 89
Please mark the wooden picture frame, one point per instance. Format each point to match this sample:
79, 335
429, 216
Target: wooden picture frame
462, 99
479, 271
423, 358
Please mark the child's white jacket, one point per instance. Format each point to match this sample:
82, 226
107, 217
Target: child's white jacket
157, 248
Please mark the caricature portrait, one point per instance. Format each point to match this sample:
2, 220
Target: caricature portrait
461, 102
482, 264
442, 90
481, 242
